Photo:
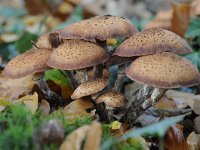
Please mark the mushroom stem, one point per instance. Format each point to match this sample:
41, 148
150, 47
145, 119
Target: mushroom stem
98, 70
85, 77
136, 109
49, 94
120, 78
71, 78
155, 97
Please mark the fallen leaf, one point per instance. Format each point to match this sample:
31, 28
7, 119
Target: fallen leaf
30, 101
139, 141
12, 89
115, 125
111, 41
44, 107
193, 141
93, 139
165, 103
74, 140
174, 138
182, 99
77, 108
180, 18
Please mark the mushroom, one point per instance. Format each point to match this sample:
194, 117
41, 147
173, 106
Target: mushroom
151, 41
33, 61
112, 100
93, 88
76, 55
89, 87
161, 71
48, 40
98, 29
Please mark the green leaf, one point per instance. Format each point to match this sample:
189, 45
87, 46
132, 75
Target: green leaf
24, 43
56, 76
8, 12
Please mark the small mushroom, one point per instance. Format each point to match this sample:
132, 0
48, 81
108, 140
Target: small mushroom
160, 71
112, 99
152, 41
89, 87
31, 62
77, 54
99, 28
49, 40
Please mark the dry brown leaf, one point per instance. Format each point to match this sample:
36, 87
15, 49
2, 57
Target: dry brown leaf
12, 89
30, 101
182, 99
180, 18
76, 109
78, 105
44, 107
174, 138
93, 139
74, 140
193, 141
165, 103
195, 8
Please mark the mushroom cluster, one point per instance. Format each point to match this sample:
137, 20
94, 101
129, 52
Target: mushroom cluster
82, 47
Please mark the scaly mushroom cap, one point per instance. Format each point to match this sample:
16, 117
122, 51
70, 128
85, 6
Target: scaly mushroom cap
100, 27
89, 87
152, 41
112, 99
77, 54
164, 70
43, 41
30, 62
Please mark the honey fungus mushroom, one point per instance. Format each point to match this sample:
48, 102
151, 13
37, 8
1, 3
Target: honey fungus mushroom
112, 99
33, 61
48, 40
99, 28
89, 87
162, 71
77, 55
152, 41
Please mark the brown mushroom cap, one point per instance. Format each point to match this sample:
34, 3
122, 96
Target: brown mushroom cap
112, 99
30, 62
43, 41
100, 27
77, 54
90, 87
153, 41
164, 70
